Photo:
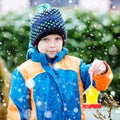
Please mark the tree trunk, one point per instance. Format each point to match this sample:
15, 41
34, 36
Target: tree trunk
5, 80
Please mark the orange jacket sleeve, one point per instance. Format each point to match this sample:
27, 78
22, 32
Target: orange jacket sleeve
104, 80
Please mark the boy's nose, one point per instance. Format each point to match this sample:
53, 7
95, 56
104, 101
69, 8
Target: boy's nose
52, 44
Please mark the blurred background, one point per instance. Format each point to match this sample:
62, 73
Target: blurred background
15, 6
93, 32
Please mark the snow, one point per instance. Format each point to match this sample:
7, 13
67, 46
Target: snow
48, 114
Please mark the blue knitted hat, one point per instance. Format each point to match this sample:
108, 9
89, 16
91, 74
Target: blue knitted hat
46, 21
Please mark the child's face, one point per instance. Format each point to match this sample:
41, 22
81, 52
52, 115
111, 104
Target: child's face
50, 45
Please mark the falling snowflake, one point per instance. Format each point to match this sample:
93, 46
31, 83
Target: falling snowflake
48, 114
19, 90
112, 93
113, 50
65, 108
4, 104
39, 103
75, 110
20, 99
26, 113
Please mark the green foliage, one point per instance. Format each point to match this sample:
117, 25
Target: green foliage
90, 35
14, 38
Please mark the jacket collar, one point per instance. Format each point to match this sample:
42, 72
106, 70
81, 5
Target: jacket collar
36, 56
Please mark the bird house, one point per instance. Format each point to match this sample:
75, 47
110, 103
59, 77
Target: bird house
92, 95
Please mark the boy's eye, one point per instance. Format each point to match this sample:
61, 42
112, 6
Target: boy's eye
45, 39
58, 38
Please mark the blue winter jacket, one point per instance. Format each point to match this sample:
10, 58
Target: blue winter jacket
43, 89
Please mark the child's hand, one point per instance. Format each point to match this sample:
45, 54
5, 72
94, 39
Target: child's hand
98, 67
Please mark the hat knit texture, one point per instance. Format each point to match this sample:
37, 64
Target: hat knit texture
46, 21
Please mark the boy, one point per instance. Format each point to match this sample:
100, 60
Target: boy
49, 85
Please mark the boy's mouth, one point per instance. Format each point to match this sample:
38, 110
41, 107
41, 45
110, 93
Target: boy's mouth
52, 51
